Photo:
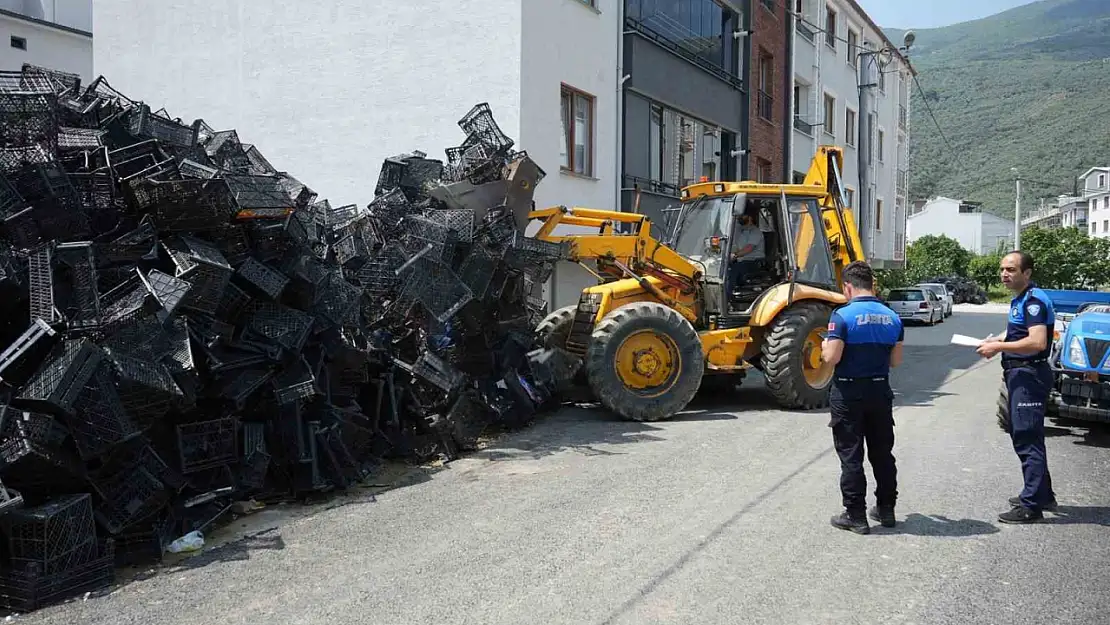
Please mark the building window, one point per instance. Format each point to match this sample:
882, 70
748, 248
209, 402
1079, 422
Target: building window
765, 103
697, 27
578, 131
849, 127
769, 5
682, 149
762, 170
830, 28
19, 43
1105, 225
878, 214
1106, 202
881, 145
1101, 180
853, 47
850, 197
830, 115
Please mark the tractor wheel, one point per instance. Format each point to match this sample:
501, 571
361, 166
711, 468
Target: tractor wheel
792, 364
554, 330
1004, 408
644, 362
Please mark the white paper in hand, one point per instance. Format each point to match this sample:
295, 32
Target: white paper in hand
966, 341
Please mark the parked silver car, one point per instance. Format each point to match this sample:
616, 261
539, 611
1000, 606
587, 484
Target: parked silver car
916, 304
946, 296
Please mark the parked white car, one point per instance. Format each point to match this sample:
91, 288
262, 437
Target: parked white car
916, 304
942, 291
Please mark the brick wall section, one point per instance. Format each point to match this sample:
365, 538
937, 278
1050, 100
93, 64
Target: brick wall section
765, 137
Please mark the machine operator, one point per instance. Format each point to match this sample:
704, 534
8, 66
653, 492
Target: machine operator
1025, 352
748, 251
864, 341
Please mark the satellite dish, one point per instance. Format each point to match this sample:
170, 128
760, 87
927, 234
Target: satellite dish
908, 39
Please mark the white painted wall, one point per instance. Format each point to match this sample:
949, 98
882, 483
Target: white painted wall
978, 233
567, 41
325, 90
46, 46
825, 70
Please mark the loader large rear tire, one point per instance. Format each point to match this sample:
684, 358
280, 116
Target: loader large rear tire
645, 362
554, 330
792, 364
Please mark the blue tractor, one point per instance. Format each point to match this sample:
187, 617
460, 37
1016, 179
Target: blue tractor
1080, 360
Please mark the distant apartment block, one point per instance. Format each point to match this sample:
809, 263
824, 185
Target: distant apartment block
852, 88
48, 33
976, 231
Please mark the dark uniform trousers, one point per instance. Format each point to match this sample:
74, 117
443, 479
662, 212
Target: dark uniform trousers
1029, 387
863, 418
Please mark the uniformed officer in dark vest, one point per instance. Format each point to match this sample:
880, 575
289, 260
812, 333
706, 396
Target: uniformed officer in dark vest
864, 341
1029, 380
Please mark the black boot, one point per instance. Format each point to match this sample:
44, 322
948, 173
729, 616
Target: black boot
1050, 506
884, 515
1021, 514
851, 521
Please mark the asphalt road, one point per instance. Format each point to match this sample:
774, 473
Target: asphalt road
720, 516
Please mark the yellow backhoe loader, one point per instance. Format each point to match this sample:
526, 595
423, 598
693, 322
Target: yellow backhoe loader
661, 323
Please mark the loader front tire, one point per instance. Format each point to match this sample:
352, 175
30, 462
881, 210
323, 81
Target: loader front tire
554, 330
644, 362
1004, 422
792, 364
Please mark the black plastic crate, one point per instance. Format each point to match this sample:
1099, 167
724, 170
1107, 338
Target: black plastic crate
29, 119
389, 209
143, 123
436, 286
146, 388
207, 444
63, 376
252, 472
240, 388
128, 497
262, 279
182, 205
259, 197
54, 536
27, 591
296, 383
167, 290
479, 124
99, 421
285, 326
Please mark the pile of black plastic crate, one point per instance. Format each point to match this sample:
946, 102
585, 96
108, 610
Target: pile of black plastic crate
187, 326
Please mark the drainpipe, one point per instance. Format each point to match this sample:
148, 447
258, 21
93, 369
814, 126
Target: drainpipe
863, 153
788, 125
745, 23
618, 167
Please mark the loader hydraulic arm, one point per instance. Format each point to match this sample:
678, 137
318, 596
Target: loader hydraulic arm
840, 224
637, 250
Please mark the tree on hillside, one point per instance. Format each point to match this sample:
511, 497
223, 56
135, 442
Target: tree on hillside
934, 255
1067, 258
984, 270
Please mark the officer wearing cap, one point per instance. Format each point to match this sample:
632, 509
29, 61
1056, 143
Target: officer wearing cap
864, 341
1029, 380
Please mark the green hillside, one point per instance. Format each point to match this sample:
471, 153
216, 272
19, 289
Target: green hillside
1027, 88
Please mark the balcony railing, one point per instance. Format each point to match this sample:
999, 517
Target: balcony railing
899, 247
764, 105
902, 121
805, 31
803, 126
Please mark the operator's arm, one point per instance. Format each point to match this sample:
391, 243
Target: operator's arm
896, 352
1036, 319
832, 348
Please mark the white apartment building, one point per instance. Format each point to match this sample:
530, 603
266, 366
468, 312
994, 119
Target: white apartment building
1095, 185
328, 90
852, 88
48, 33
976, 231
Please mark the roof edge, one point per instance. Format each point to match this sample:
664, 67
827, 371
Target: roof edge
38, 22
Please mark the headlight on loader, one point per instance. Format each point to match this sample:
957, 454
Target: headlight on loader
1075, 353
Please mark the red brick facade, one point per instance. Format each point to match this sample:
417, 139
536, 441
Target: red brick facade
769, 91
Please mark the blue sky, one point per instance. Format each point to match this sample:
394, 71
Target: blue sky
933, 13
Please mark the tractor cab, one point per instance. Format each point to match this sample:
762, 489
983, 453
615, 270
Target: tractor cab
747, 238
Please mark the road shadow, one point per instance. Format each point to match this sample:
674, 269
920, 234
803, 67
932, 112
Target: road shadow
938, 525
1085, 434
926, 368
588, 430
1079, 515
